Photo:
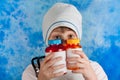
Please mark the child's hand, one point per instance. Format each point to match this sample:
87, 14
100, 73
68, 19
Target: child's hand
84, 65
47, 68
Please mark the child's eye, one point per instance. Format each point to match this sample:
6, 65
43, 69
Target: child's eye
57, 37
71, 36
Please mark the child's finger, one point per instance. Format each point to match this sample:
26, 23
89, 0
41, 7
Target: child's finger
48, 57
78, 71
53, 61
81, 53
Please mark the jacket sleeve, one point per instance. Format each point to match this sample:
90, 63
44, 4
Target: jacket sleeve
29, 73
101, 75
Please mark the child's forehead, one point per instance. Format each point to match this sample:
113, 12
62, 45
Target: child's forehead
62, 29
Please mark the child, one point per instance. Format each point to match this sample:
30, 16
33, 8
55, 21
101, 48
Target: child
63, 21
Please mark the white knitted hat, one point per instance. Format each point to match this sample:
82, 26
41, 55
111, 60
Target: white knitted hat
62, 14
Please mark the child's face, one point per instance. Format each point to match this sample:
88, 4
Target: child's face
62, 33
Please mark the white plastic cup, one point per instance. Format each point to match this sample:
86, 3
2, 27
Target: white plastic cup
63, 61
71, 54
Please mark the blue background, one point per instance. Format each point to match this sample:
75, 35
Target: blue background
21, 37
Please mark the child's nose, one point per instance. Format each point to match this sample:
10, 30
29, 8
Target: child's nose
64, 38
63, 41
